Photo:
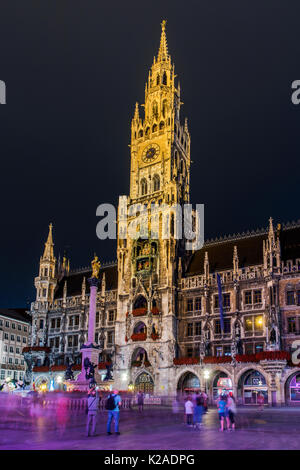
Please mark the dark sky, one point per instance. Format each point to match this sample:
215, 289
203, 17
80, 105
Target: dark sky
74, 70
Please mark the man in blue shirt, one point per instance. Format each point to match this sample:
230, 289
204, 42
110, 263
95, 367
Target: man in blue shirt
222, 405
113, 411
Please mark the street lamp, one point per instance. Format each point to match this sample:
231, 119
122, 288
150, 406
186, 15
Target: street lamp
206, 374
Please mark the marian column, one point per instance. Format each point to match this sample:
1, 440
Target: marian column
90, 350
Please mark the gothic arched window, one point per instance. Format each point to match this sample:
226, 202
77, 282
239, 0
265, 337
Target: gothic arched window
164, 80
164, 108
156, 183
154, 128
157, 79
155, 109
161, 125
143, 186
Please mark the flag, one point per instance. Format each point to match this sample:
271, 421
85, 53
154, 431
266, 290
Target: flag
220, 303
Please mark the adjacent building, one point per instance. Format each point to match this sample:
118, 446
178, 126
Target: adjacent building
14, 334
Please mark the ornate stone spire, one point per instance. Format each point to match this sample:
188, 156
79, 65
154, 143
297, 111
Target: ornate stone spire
163, 47
206, 267
271, 232
136, 112
83, 289
48, 251
235, 261
103, 285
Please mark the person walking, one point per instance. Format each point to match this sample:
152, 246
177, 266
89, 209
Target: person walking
260, 401
205, 400
189, 407
113, 403
62, 414
231, 407
198, 413
221, 404
140, 400
92, 410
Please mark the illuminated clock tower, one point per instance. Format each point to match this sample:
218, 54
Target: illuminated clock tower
149, 266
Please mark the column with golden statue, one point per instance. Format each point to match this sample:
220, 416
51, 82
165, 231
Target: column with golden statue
89, 350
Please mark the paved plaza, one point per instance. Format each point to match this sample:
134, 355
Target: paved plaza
154, 429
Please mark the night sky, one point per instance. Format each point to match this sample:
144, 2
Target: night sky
74, 70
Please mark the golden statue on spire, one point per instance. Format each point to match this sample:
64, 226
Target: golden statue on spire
95, 267
163, 24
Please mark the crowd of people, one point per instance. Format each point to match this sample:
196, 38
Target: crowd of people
197, 404
194, 406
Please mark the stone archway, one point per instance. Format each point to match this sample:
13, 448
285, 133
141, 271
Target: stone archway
292, 389
188, 382
220, 383
139, 327
140, 302
250, 385
139, 358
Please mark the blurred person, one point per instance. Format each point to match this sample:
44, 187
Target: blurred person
62, 413
92, 411
198, 412
231, 407
175, 407
189, 407
221, 404
140, 400
113, 403
205, 401
260, 401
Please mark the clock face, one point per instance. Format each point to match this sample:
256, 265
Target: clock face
150, 153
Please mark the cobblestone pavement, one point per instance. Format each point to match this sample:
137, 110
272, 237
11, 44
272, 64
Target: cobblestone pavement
154, 429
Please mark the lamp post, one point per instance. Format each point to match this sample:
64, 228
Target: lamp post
206, 377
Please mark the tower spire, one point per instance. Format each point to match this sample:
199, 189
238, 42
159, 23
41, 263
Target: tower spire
163, 47
136, 112
48, 251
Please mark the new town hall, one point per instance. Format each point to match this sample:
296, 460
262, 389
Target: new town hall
157, 318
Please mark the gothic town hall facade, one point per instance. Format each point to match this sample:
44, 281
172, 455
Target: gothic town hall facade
158, 319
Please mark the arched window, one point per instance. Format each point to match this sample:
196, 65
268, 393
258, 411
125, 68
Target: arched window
141, 133
161, 125
157, 79
143, 186
172, 226
147, 131
155, 109
164, 108
154, 128
164, 80
156, 183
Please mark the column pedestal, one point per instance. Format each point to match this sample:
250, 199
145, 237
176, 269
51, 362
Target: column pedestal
89, 350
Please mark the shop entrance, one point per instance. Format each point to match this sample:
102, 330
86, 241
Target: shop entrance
252, 386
